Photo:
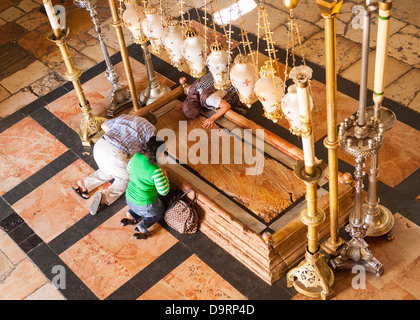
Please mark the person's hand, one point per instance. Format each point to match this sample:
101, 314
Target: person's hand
208, 123
178, 107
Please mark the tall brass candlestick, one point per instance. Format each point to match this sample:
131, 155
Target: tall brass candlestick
312, 277
379, 219
329, 11
90, 126
117, 24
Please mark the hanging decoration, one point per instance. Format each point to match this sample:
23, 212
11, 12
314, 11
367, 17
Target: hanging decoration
244, 72
289, 103
153, 26
269, 88
172, 40
218, 62
243, 78
132, 17
194, 51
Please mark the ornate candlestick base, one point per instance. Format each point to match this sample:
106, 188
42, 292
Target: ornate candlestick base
312, 277
356, 253
379, 221
90, 126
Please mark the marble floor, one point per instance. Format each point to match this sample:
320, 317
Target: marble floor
46, 230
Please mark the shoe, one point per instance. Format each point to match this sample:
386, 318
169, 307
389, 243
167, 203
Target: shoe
96, 204
83, 194
125, 222
140, 235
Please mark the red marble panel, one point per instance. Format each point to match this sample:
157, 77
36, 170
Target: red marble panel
25, 148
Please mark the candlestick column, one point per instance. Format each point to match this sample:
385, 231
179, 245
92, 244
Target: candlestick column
90, 126
312, 277
329, 11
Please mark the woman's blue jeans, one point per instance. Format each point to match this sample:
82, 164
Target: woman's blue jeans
150, 213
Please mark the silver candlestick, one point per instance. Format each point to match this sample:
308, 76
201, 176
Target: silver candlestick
120, 97
361, 139
379, 219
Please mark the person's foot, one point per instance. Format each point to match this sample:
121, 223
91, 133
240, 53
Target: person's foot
97, 204
128, 220
139, 234
81, 189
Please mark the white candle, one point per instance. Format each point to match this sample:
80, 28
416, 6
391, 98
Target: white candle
306, 129
51, 14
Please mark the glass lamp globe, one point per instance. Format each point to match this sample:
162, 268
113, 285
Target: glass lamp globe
269, 89
243, 78
218, 63
153, 26
290, 108
194, 51
172, 41
132, 17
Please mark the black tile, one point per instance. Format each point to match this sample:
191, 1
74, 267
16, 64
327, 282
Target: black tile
65, 240
63, 161
55, 94
44, 258
159, 268
18, 192
42, 116
5, 209
9, 121
40, 177
126, 292
11, 222
21, 233
33, 107
276, 291
30, 243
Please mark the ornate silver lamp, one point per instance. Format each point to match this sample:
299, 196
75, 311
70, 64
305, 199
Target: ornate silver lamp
379, 219
361, 139
120, 97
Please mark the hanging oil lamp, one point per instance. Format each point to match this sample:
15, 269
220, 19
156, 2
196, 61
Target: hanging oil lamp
218, 63
172, 41
269, 89
194, 51
153, 26
289, 103
132, 17
243, 78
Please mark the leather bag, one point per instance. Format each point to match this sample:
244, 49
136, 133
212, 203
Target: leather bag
181, 215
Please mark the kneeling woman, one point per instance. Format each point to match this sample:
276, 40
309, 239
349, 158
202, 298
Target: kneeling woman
146, 181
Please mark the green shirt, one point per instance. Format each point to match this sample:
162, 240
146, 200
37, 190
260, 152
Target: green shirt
146, 180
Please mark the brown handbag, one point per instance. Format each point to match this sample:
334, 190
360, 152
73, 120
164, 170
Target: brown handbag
181, 215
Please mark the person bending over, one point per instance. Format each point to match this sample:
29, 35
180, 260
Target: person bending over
202, 95
146, 180
124, 136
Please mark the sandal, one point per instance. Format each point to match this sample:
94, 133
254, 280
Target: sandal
97, 204
83, 194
